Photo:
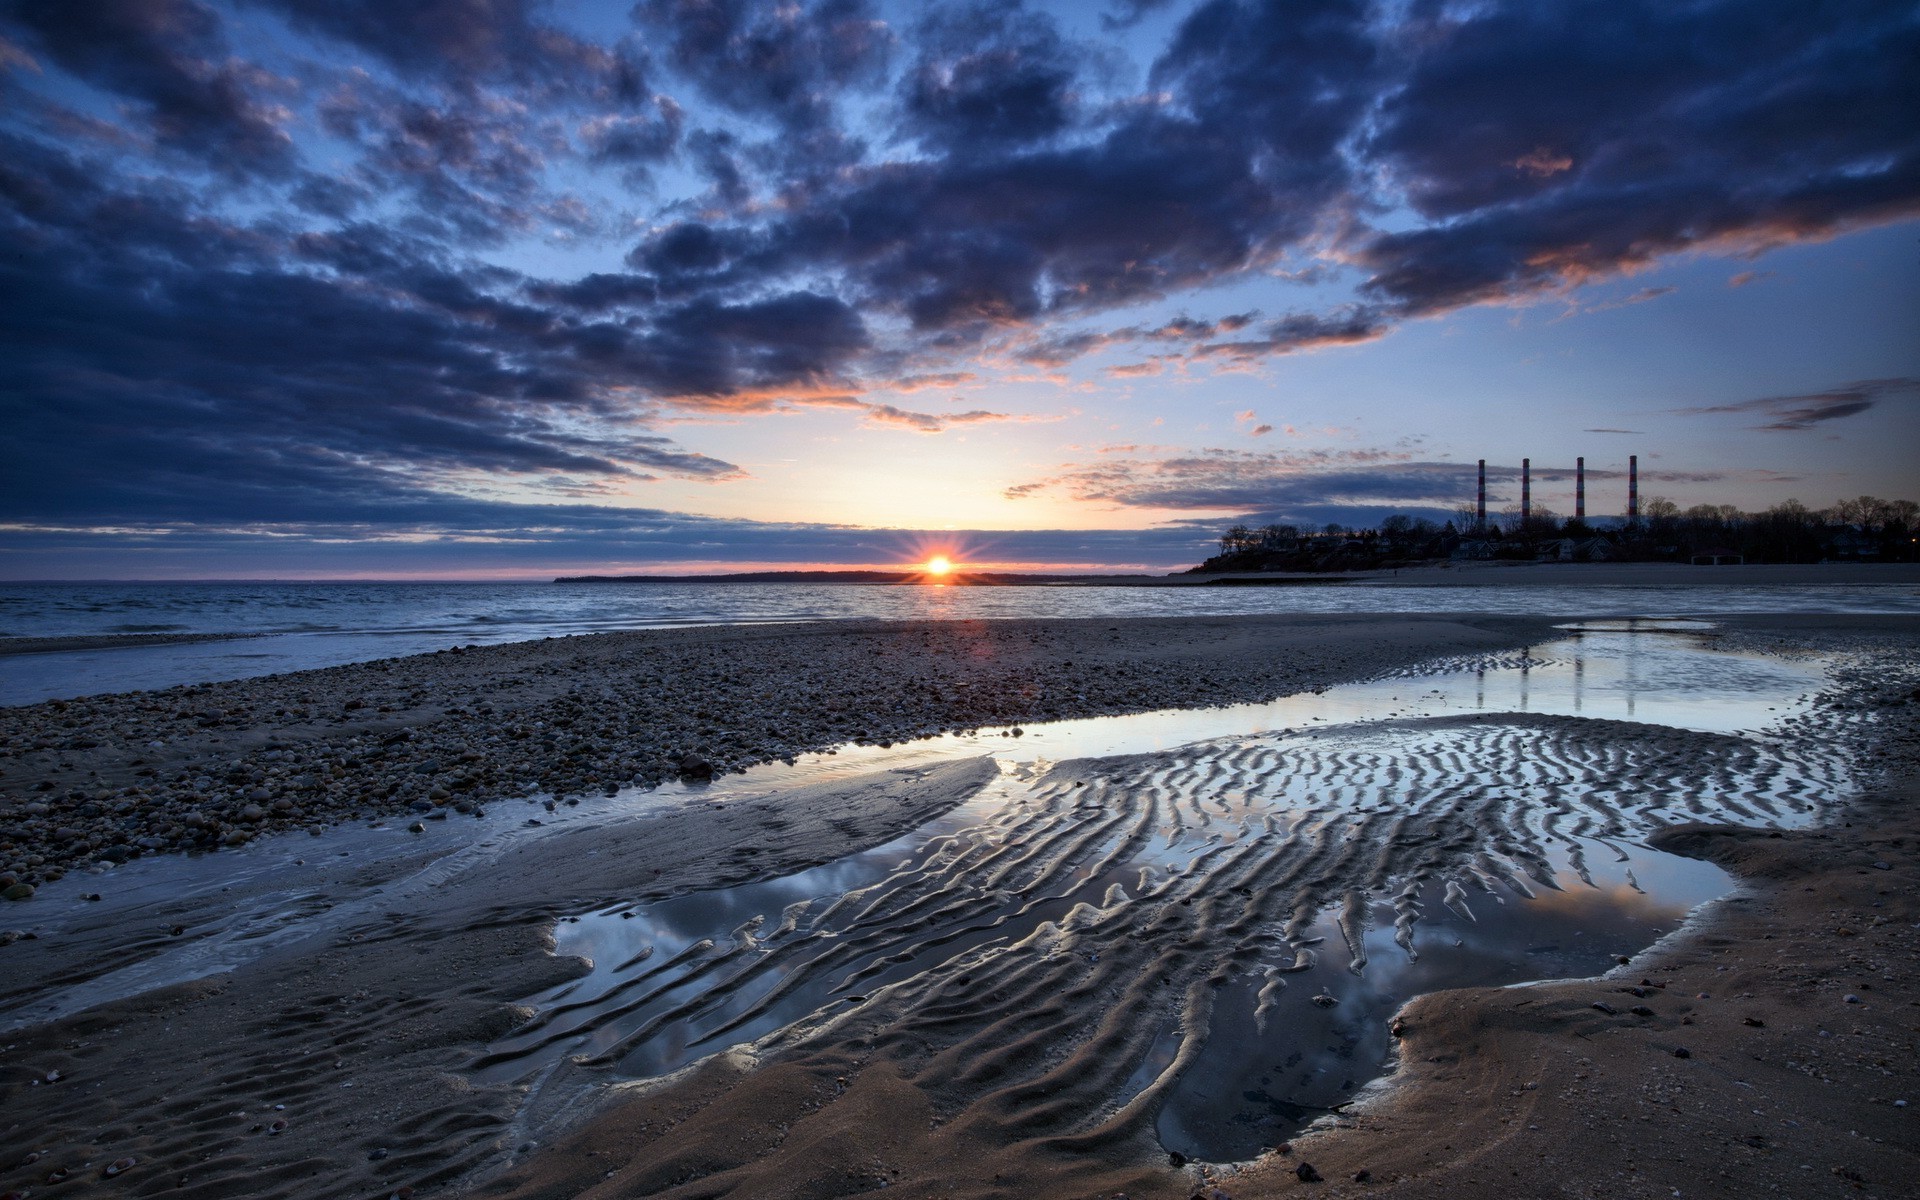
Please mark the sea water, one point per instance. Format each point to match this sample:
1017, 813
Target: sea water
297, 626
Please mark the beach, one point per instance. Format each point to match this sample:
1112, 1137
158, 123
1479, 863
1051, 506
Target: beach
337, 992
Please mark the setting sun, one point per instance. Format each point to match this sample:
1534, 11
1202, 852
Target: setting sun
939, 565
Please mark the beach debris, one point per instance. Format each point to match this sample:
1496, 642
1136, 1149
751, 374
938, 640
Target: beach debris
279, 1126
1755, 1022
1177, 1159
1306, 1174
1603, 1006
1326, 1000
120, 1166
58, 1175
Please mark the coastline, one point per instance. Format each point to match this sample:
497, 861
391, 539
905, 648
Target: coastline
394, 996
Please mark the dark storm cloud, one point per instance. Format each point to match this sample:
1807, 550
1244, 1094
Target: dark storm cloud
989, 74
228, 382
1799, 414
1171, 196
783, 59
468, 41
171, 57
728, 354
1550, 144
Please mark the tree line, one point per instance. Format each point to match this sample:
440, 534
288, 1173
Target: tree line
1866, 528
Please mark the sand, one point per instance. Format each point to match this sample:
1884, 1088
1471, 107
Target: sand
219, 764
364, 1009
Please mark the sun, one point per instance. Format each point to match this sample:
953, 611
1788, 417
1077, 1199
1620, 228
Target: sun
939, 564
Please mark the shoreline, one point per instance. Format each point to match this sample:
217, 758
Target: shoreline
363, 1026
210, 765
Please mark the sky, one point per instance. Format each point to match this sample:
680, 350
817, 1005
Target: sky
499, 288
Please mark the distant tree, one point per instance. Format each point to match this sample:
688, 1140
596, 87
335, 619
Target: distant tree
1237, 540
1278, 537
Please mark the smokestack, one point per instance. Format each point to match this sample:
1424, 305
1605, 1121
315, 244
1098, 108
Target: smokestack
1579, 489
1633, 487
1526, 490
1480, 507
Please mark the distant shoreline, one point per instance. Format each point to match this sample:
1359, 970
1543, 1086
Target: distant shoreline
1439, 574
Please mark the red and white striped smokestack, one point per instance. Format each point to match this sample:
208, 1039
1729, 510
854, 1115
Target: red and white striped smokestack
1579, 489
1633, 487
1526, 490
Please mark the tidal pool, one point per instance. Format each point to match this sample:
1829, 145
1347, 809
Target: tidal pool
1206, 918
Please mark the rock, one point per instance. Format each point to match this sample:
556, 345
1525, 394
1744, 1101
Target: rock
1306, 1174
19, 891
1325, 1000
1603, 1006
692, 766
1362, 1175
1682, 1052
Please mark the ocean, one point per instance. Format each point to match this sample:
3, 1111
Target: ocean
295, 626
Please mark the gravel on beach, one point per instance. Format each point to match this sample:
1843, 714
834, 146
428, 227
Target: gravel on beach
108, 778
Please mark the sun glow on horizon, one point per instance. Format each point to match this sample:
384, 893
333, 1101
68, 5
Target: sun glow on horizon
939, 565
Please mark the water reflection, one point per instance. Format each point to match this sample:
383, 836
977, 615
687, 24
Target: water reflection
1477, 824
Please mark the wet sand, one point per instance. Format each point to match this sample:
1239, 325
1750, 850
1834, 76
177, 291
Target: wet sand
367, 1009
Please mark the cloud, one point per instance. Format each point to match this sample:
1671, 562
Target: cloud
466, 42
172, 58
1670, 121
300, 260
785, 61
1641, 432
887, 414
1745, 278
1640, 297
989, 74
1799, 414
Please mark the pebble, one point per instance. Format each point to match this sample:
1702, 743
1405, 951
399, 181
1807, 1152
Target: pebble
1306, 1174
370, 740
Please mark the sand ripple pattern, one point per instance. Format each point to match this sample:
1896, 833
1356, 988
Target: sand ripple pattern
1031, 959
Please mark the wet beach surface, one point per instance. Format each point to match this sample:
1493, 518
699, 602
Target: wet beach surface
1103, 939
